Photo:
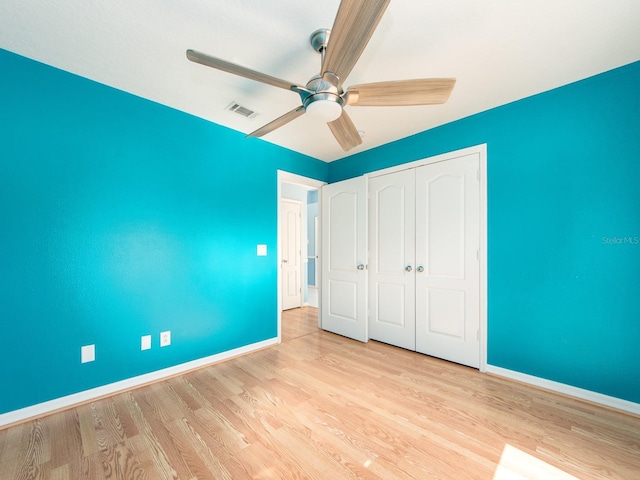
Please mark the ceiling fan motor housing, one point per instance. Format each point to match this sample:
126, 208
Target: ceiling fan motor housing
325, 100
326, 106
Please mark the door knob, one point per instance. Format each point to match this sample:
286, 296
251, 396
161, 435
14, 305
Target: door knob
361, 267
420, 269
408, 268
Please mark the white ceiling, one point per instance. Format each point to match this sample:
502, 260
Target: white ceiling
499, 51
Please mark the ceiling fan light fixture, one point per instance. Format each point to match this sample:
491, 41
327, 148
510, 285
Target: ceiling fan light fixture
323, 97
325, 107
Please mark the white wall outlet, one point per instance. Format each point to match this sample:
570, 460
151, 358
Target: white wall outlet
165, 338
88, 353
145, 342
262, 250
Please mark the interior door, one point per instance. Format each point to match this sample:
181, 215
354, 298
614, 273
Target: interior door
291, 255
392, 259
344, 258
447, 250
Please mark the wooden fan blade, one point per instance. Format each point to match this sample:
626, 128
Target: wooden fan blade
345, 132
278, 122
355, 22
213, 62
426, 91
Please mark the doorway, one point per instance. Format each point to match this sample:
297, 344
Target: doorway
296, 189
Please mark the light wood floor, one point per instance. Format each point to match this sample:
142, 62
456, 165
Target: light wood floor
299, 322
322, 406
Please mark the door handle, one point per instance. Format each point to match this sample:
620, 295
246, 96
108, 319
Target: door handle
284, 261
420, 269
361, 267
408, 268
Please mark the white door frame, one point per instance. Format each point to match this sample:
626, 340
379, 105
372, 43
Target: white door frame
287, 177
482, 151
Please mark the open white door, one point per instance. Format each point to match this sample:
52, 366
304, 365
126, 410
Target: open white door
291, 254
344, 258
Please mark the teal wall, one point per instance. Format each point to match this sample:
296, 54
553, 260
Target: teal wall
563, 227
120, 218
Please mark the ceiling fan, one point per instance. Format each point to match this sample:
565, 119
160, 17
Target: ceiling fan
323, 96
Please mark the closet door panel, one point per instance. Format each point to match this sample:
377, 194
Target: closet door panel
448, 275
391, 251
343, 306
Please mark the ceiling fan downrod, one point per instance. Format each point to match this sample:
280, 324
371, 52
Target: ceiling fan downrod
319, 40
325, 101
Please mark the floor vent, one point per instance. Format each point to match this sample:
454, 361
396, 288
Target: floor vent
240, 110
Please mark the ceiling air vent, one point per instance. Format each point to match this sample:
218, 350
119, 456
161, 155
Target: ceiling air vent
240, 110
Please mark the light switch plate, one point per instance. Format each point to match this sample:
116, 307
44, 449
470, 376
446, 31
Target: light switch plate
262, 250
88, 353
145, 342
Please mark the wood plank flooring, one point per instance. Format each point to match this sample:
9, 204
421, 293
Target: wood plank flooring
321, 406
299, 322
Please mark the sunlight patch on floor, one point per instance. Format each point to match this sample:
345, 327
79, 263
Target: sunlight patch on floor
516, 464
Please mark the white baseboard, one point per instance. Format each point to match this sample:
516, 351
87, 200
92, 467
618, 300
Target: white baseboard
588, 395
51, 406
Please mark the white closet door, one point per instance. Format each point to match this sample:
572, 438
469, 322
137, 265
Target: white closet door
344, 258
447, 246
391, 259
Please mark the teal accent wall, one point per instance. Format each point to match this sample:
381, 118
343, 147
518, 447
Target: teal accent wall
120, 217
563, 227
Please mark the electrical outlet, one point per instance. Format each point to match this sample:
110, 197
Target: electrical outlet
165, 338
88, 353
145, 342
